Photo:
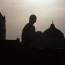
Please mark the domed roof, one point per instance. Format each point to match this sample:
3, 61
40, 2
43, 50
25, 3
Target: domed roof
53, 32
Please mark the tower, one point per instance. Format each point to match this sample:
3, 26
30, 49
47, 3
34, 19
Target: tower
2, 27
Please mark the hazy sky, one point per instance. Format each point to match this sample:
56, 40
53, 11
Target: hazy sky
17, 14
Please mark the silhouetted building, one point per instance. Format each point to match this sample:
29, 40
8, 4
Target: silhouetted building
2, 27
39, 39
53, 37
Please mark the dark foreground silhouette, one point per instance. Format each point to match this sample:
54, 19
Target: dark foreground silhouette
28, 33
15, 54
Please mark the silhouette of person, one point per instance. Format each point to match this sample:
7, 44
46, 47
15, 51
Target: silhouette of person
28, 32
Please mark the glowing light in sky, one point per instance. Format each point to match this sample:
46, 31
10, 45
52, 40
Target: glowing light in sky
39, 2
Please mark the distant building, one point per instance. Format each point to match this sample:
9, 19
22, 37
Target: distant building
2, 27
53, 37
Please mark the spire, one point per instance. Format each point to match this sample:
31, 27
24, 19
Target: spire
52, 25
52, 21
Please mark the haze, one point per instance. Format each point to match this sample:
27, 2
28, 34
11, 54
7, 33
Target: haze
17, 14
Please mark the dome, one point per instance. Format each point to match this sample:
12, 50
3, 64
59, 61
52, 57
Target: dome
53, 32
